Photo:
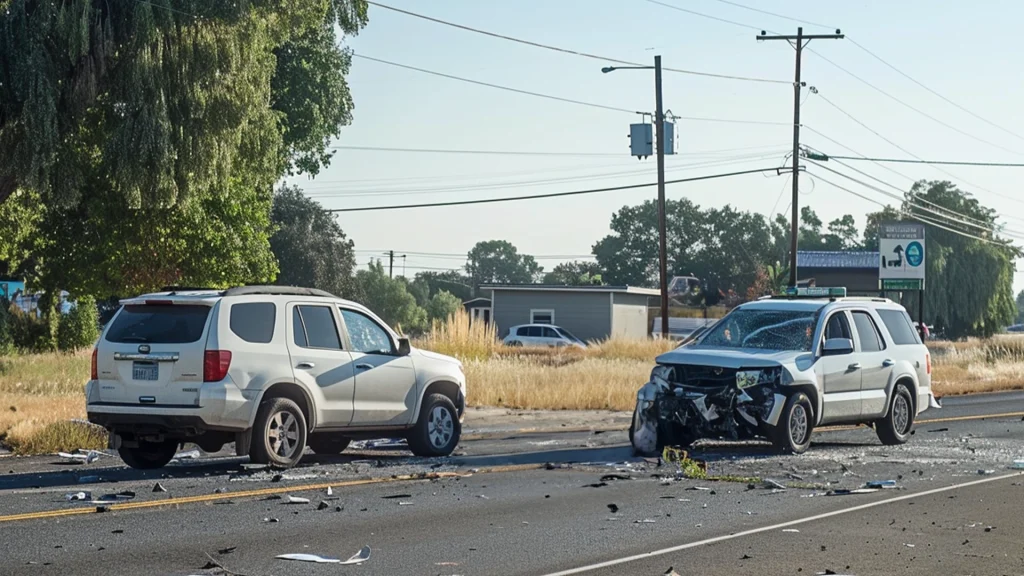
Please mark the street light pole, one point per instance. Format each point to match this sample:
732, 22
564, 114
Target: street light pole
659, 119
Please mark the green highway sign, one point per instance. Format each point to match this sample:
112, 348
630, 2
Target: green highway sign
908, 284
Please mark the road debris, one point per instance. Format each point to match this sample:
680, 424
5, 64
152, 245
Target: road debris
296, 500
644, 521
881, 484
791, 530
671, 572
845, 492
330, 492
596, 485
610, 477
704, 488
614, 508
769, 483
74, 496
940, 430
271, 520
1017, 465
396, 496
91, 479
82, 456
158, 487
985, 472
405, 503
358, 558
114, 498
228, 550
187, 455
323, 505
484, 496
908, 545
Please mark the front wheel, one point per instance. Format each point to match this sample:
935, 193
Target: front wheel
149, 455
438, 429
895, 428
793, 432
279, 435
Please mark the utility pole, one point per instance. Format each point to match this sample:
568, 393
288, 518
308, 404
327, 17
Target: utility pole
798, 42
391, 263
659, 126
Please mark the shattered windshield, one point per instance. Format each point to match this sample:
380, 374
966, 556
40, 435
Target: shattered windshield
764, 329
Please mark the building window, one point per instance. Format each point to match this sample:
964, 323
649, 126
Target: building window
542, 316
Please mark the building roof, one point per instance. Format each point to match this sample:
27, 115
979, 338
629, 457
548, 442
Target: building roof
476, 301
563, 288
828, 259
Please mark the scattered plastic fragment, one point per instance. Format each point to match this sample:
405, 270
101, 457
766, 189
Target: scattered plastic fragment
843, 492
271, 520
87, 456
297, 500
396, 496
187, 455
358, 558
228, 550
330, 492
610, 477
1018, 465
323, 505
158, 487
698, 488
940, 430
769, 483
882, 484
614, 508
596, 485
670, 572
644, 521
73, 496
405, 503
791, 530
986, 472
908, 545
484, 496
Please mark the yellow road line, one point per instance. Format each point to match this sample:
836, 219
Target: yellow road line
58, 513
975, 417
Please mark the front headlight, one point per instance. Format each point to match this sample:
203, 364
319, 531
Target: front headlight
661, 373
748, 378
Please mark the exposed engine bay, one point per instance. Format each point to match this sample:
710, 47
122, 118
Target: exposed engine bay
684, 402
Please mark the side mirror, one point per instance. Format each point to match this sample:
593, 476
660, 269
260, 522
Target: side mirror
404, 348
838, 347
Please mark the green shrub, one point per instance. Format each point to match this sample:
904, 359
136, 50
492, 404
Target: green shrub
79, 328
6, 338
29, 332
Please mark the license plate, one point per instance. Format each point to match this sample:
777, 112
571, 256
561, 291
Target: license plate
145, 371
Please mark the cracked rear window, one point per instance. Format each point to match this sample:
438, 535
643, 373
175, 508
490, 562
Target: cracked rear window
763, 329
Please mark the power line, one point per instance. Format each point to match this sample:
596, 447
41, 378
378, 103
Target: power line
914, 216
940, 162
498, 86
949, 214
922, 113
702, 15
552, 195
940, 96
567, 51
908, 152
327, 193
809, 23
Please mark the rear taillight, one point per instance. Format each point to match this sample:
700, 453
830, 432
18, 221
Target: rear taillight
215, 365
928, 363
95, 373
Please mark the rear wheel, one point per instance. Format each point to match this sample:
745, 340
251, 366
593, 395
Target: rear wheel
328, 443
149, 455
793, 432
895, 427
515, 343
279, 435
438, 429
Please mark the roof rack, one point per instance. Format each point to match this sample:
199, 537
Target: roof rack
173, 289
277, 291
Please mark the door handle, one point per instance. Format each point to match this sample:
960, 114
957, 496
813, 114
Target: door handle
305, 365
887, 362
854, 366
364, 366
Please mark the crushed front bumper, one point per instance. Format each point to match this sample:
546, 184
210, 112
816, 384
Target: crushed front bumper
675, 414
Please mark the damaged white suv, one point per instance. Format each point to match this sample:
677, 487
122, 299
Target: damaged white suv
273, 369
777, 367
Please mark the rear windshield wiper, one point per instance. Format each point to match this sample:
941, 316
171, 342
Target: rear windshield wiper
134, 339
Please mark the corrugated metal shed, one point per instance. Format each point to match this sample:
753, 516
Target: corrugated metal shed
826, 259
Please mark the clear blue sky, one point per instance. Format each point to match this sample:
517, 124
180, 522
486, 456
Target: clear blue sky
965, 52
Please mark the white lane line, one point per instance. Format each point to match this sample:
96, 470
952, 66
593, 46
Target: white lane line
750, 532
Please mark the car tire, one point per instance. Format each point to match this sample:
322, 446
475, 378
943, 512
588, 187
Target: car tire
895, 428
438, 429
515, 344
149, 455
792, 435
279, 435
328, 443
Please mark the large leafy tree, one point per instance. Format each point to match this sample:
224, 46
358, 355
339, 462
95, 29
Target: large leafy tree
969, 280
389, 298
1020, 307
155, 131
574, 273
500, 261
309, 244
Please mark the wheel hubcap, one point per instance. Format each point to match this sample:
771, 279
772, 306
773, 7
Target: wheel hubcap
798, 424
283, 434
900, 414
440, 427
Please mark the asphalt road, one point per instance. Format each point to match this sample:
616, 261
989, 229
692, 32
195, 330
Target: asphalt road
959, 509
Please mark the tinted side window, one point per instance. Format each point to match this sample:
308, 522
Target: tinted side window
534, 331
523, 332
321, 332
300, 331
870, 341
366, 335
550, 333
254, 321
838, 327
159, 324
898, 324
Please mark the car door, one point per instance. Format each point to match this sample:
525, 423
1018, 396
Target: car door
320, 362
841, 373
551, 337
876, 365
386, 391
534, 335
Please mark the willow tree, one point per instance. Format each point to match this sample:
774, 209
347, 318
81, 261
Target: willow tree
969, 289
153, 132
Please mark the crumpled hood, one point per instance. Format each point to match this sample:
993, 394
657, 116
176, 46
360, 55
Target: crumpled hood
730, 357
434, 356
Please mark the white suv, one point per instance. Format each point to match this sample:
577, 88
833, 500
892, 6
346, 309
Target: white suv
777, 367
271, 368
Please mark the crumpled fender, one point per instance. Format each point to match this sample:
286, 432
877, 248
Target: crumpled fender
645, 423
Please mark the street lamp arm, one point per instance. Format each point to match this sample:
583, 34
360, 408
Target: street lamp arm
608, 69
